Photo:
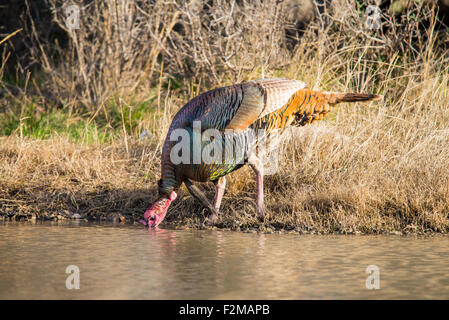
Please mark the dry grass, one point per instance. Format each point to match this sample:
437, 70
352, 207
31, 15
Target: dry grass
128, 47
373, 168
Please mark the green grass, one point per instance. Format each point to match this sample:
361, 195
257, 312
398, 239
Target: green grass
30, 119
42, 125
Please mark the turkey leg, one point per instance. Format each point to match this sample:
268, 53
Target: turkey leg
201, 197
257, 166
220, 186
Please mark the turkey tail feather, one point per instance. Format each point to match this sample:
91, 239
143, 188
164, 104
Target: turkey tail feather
306, 106
335, 97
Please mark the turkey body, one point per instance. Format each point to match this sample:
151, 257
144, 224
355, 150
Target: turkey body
241, 110
247, 121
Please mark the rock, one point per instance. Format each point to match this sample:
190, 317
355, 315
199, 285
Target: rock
76, 216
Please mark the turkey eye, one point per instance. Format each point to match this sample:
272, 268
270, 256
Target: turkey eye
152, 218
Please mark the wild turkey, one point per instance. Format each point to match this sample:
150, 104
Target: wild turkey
267, 105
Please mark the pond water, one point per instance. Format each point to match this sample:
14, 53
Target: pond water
130, 262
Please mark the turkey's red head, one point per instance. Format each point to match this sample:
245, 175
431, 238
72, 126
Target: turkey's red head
156, 213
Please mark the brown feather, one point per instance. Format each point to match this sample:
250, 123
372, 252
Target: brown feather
336, 97
306, 106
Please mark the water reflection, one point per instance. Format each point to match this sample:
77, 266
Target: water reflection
131, 262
